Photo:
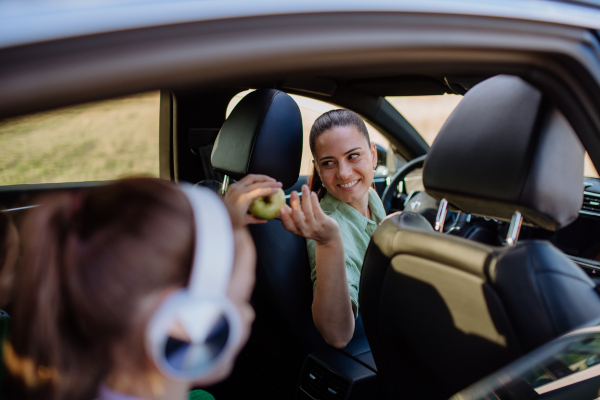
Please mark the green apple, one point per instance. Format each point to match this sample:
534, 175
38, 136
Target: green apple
268, 207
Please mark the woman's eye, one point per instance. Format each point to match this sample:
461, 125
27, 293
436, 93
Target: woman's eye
353, 156
327, 163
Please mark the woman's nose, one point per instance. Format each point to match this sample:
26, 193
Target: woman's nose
344, 171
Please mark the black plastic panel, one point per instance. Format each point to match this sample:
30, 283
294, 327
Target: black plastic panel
330, 375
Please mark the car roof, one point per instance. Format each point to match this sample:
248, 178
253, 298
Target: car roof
40, 20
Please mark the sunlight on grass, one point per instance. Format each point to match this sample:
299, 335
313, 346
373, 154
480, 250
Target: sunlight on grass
91, 142
426, 114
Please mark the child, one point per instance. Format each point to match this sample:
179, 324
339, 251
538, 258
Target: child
97, 264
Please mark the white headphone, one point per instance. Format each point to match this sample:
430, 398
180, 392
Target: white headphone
197, 329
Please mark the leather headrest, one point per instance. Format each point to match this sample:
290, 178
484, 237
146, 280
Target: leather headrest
505, 149
408, 219
263, 135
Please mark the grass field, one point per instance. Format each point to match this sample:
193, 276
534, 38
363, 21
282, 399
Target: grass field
95, 141
426, 114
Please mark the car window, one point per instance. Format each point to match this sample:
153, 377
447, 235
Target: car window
572, 358
91, 142
589, 171
311, 109
427, 114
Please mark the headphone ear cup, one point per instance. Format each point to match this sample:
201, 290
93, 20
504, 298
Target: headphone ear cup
190, 336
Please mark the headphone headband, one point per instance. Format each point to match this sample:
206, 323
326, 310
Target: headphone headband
197, 328
213, 250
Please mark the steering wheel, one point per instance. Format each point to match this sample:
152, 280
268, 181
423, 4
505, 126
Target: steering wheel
423, 204
391, 190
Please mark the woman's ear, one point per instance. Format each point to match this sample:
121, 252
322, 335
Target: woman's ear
374, 154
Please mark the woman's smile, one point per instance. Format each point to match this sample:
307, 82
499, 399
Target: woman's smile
350, 185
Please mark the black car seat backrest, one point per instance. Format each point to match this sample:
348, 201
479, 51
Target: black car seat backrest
502, 150
441, 311
263, 135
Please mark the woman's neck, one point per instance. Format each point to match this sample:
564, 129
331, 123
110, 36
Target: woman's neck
362, 205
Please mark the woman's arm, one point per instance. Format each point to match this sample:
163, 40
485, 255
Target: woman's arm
332, 308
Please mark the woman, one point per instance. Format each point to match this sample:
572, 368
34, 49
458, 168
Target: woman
339, 227
96, 265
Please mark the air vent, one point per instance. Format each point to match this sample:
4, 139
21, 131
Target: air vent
321, 383
591, 203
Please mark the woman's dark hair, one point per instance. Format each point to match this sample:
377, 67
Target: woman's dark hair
327, 121
89, 257
9, 247
5, 226
5, 223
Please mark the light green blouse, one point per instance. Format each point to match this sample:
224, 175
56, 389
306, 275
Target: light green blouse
356, 232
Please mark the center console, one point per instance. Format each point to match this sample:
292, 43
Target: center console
332, 374
329, 374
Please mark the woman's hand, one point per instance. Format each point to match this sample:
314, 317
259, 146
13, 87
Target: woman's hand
245, 191
306, 218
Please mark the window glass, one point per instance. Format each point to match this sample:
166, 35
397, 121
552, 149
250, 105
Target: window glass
588, 167
311, 110
426, 114
90, 142
572, 358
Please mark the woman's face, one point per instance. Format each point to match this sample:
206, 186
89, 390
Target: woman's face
345, 161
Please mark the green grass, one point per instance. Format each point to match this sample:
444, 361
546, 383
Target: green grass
96, 141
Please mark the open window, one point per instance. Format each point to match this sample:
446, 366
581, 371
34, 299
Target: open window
311, 109
89, 142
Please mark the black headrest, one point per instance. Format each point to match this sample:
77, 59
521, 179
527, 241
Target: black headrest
263, 135
408, 219
505, 149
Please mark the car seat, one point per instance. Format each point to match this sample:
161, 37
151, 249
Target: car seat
263, 135
441, 311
